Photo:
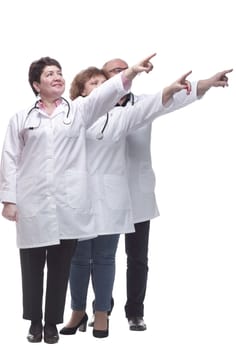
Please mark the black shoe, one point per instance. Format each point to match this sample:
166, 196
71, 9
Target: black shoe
50, 333
97, 333
82, 326
137, 324
35, 332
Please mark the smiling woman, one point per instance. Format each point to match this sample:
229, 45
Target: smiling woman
44, 185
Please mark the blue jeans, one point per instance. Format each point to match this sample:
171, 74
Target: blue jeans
94, 256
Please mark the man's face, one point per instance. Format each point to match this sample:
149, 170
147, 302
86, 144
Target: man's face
114, 67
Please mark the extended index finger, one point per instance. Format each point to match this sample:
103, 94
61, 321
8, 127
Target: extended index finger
227, 71
150, 57
186, 74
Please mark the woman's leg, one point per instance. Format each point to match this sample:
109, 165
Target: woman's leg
32, 271
103, 252
79, 281
58, 264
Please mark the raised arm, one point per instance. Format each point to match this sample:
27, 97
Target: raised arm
177, 95
104, 97
220, 79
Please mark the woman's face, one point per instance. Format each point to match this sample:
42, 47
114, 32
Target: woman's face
52, 83
93, 83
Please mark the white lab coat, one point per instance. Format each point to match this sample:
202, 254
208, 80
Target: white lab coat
44, 170
114, 197
141, 176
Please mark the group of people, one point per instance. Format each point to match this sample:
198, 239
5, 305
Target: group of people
74, 176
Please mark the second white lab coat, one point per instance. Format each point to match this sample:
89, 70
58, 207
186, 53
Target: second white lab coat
119, 182
141, 177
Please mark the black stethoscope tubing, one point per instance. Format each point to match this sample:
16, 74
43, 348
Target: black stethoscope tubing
66, 120
100, 135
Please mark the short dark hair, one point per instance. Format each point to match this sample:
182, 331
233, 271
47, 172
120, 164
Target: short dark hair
36, 68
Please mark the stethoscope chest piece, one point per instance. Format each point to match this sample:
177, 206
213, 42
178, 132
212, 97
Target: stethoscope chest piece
99, 136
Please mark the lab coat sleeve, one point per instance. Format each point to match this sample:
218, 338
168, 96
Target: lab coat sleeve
10, 157
123, 120
146, 109
101, 100
182, 99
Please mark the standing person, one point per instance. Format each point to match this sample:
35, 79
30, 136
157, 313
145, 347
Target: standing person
106, 151
44, 185
107, 167
142, 189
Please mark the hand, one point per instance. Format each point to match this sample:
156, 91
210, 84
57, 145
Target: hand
178, 85
143, 66
10, 212
220, 79
182, 83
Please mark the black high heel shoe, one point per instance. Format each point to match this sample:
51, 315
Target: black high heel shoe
98, 333
82, 326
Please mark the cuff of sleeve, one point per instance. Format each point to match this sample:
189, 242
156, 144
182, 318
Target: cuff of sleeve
7, 197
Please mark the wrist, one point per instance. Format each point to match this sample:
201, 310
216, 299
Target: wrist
203, 86
130, 73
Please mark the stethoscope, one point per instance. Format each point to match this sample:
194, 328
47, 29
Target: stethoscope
66, 120
100, 135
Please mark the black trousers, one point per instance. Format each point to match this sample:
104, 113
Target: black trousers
136, 247
33, 261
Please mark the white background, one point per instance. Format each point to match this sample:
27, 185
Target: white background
191, 297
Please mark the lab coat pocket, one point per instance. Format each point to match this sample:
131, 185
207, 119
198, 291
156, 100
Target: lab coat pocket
116, 192
77, 191
147, 181
27, 196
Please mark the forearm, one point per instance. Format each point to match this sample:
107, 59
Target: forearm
129, 74
9, 159
181, 98
7, 184
203, 86
167, 95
